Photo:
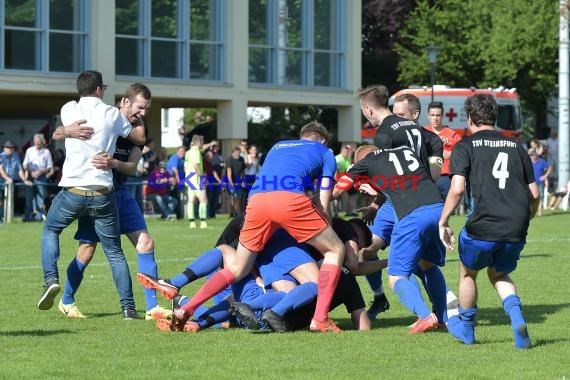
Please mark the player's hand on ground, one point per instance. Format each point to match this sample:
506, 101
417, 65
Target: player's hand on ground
446, 236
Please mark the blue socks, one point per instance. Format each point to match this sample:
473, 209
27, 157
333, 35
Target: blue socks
375, 280
296, 298
75, 271
512, 306
410, 296
147, 264
205, 264
437, 290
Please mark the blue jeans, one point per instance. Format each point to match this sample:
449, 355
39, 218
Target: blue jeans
166, 203
66, 207
35, 199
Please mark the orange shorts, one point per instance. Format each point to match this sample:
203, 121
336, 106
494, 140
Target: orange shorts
293, 212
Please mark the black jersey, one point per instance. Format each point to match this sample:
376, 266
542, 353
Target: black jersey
398, 174
344, 230
123, 149
395, 131
434, 145
347, 292
498, 171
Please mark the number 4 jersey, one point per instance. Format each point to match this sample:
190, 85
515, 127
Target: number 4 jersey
498, 171
398, 174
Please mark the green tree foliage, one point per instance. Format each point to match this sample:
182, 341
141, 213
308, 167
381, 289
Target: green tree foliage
485, 43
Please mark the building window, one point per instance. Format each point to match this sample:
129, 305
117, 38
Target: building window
297, 42
46, 36
179, 39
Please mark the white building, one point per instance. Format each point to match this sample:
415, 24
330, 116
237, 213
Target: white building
225, 54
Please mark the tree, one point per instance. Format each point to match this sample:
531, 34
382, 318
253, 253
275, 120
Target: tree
485, 43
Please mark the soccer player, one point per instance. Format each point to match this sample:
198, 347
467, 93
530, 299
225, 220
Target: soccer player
290, 167
123, 162
417, 204
393, 131
504, 197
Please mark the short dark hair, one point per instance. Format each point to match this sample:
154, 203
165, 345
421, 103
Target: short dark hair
413, 102
375, 94
88, 81
359, 223
137, 89
435, 105
315, 128
482, 109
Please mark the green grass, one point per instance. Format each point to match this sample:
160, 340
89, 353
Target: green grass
44, 344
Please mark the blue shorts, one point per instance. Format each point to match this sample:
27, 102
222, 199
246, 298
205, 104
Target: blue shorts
281, 255
479, 254
130, 218
415, 237
384, 222
246, 289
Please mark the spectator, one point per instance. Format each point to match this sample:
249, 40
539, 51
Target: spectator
537, 146
218, 170
149, 156
252, 167
175, 167
38, 168
541, 172
557, 197
552, 154
157, 191
235, 169
10, 171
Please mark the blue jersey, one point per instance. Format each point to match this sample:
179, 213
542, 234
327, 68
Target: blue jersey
294, 165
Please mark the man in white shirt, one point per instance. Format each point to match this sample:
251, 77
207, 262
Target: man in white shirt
87, 190
38, 168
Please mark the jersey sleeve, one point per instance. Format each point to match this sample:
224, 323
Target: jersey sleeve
434, 145
360, 168
329, 166
460, 162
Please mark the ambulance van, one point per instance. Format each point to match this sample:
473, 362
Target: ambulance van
509, 120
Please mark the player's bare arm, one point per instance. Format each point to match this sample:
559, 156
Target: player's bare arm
453, 198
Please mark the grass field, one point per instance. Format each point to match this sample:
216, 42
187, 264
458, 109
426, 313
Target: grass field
44, 344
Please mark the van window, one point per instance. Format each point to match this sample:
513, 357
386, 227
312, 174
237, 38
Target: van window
509, 118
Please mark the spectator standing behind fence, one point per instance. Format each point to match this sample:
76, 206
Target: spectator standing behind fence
150, 157
448, 137
218, 170
38, 168
542, 170
252, 167
235, 168
10, 171
159, 182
